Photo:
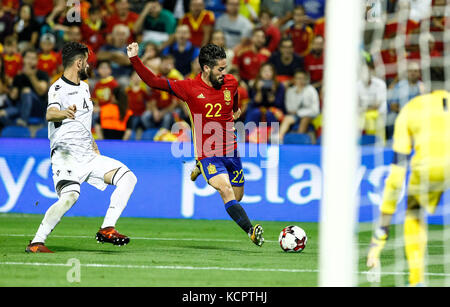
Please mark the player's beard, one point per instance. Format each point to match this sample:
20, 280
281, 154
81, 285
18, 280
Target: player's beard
215, 81
83, 73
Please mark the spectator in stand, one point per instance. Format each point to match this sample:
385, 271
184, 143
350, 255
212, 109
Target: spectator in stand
250, 9
94, 28
151, 57
73, 34
218, 38
216, 6
319, 27
9, 110
272, 33
389, 58
415, 55
314, 62
195, 70
250, 55
156, 24
116, 53
10, 6
49, 60
138, 102
178, 7
281, 9
26, 28
372, 95
163, 104
167, 68
123, 15
182, 50
12, 59
267, 97
29, 89
102, 93
6, 23
314, 9
243, 96
115, 117
302, 105
286, 62
200, 22
236, 27
42, 8
403, 91
300, 33
58, 24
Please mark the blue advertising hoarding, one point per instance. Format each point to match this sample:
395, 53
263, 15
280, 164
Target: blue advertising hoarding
282, 183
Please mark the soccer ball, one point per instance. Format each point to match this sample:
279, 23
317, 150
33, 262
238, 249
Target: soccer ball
292, 239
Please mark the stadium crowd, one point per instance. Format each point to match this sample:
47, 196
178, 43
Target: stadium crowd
275, 48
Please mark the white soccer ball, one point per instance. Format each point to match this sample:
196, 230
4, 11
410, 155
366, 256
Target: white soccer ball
292, 239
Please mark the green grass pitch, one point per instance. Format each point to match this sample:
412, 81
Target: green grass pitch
171, 253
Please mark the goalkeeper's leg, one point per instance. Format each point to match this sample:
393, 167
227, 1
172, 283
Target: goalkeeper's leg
415, 241
391, 194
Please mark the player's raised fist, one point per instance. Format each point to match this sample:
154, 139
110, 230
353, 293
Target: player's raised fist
132, 49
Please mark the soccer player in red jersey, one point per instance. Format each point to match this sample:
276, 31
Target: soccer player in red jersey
212, 101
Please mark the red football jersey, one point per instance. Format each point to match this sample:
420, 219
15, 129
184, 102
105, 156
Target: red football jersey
211, 114
315, 67
103, 90
13, 64
302, 39
206, 18
137, 100
249, 61
49, 62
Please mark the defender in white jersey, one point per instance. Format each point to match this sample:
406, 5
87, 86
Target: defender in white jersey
74, 154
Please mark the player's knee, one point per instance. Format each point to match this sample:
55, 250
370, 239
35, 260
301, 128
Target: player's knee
69, 198
124, 176
225, 191
131, 178
68, 192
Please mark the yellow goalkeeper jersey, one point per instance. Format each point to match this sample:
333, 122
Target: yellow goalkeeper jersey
424, 125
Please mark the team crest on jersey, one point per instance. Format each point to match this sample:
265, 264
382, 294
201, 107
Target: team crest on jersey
227, 96
212, 169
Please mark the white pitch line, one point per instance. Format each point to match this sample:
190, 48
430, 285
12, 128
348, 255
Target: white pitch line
136, 238
213, 268
164, 267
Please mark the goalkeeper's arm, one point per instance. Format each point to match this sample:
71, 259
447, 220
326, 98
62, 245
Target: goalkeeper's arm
391, 195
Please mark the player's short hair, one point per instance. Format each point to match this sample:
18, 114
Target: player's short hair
167, 57
264, 11
210, 54
71, 51
299, 7
99, 63
29, 50
11, 40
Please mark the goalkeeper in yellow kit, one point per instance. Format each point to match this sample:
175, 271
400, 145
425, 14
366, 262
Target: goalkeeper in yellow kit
423, 125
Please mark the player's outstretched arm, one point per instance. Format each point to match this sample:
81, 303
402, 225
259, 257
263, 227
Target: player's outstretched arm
146, 74
55, 115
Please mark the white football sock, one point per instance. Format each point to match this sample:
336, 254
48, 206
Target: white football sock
68, 197
124, 182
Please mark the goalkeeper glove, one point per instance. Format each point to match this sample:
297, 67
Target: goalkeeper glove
376, 246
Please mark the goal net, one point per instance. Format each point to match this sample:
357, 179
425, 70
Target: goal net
405, 45
403, 52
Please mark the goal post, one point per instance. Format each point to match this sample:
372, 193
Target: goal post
340, 153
